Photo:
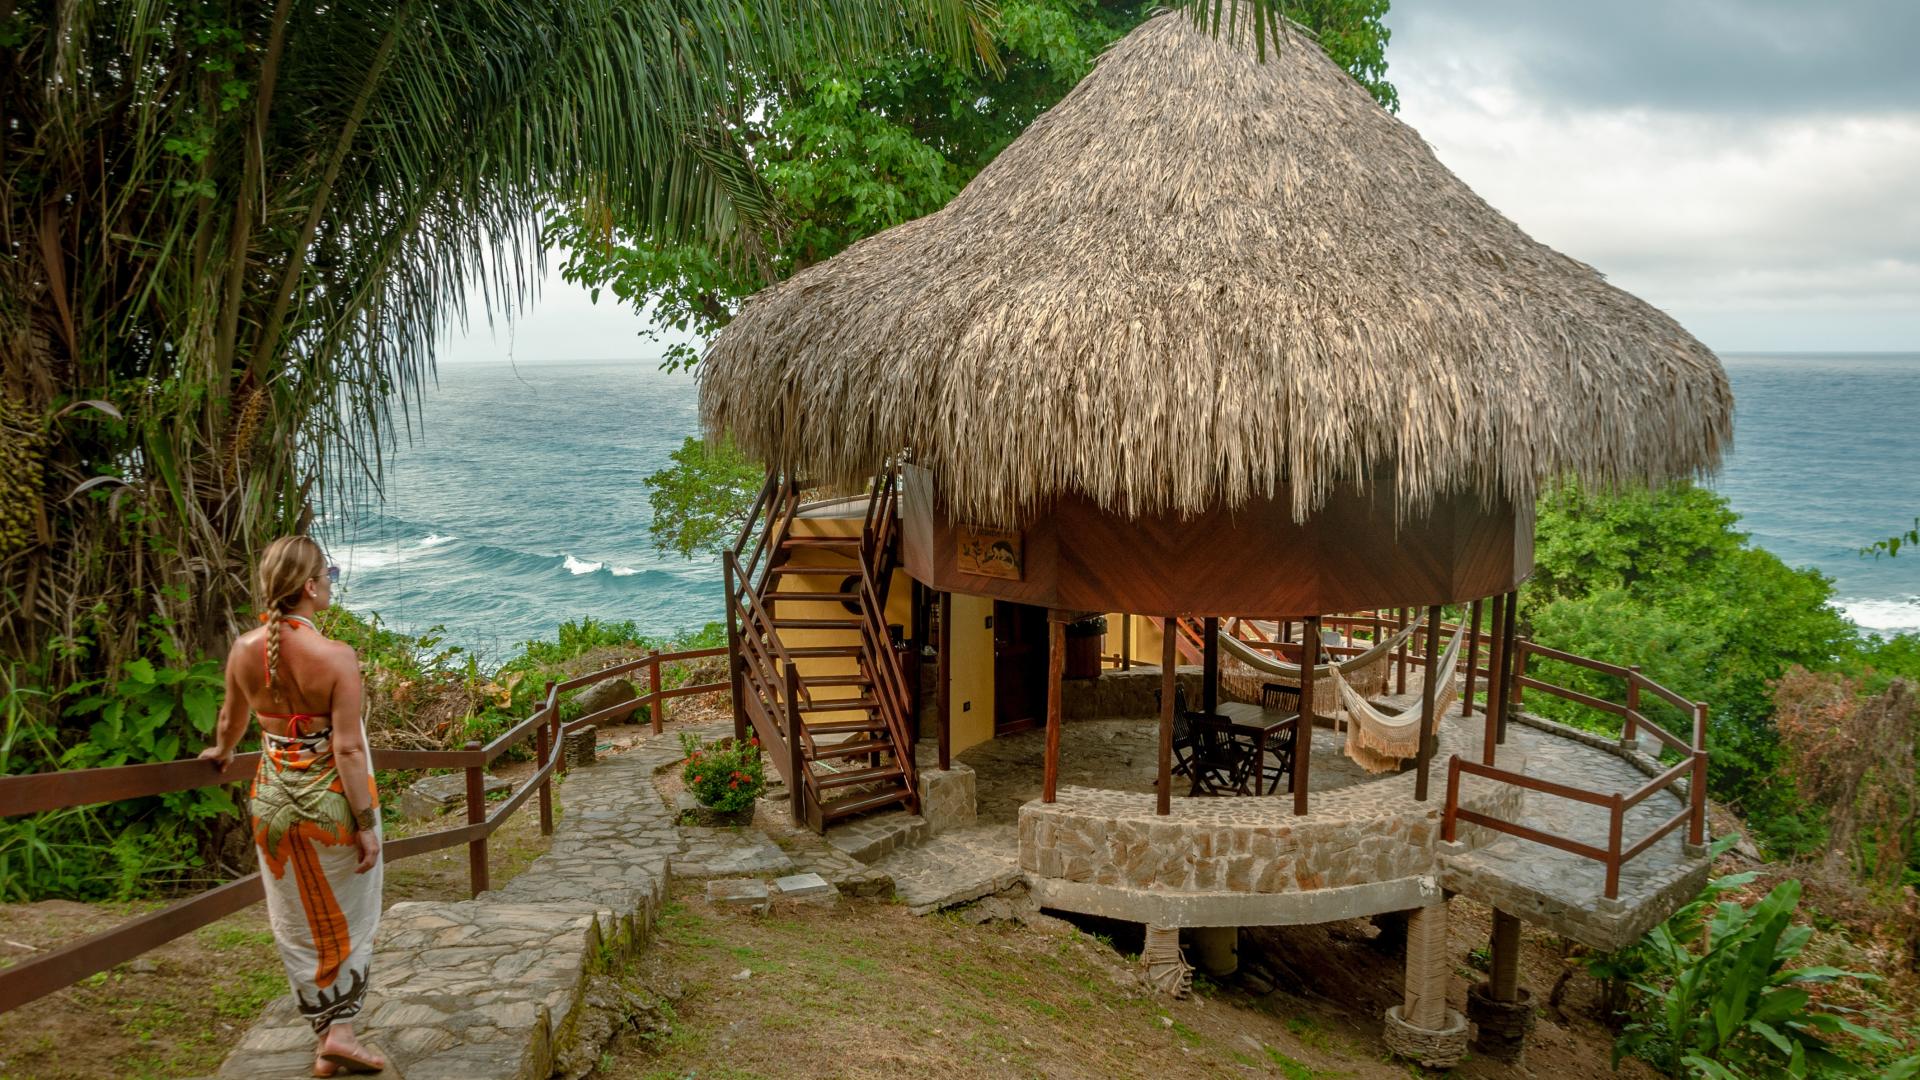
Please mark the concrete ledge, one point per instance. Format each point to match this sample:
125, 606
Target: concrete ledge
1599, 923
1189, 909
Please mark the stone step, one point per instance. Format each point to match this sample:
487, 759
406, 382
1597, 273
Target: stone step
951, 869
870, 838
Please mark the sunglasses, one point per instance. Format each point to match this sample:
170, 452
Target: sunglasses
333, 574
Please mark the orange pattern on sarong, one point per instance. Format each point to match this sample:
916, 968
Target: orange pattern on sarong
324, 917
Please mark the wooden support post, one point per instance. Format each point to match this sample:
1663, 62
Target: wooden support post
1169, 686
1616, 824
1508, 697
944, 694
1210, 666
1473, 657
1630, 730
541, 745
1503, 982
1428, 740
796, 756
1056, 666
1425, 1002
656, 708
1697, 784
1303, 727
1496, 653
1400, 652
476, 814
735, 662
1126, 642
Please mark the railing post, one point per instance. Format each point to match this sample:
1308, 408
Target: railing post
656, 708
555, 737
1631, 731
1697, 825
734, 659
796, 760
1447, 821
476, 815
542, 748
1616, 821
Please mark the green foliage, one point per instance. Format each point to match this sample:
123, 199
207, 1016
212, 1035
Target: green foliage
1667, 581
1717, 999
1890, 547
700, 501
725, 775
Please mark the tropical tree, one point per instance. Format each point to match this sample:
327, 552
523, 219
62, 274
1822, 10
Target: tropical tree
231, 231
841, 153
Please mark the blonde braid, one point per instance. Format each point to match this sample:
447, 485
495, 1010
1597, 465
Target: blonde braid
274, 622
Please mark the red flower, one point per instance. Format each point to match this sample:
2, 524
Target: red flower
696, 779
734, 784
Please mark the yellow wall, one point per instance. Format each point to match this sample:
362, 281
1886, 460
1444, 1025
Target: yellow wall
970, 689
1146, 638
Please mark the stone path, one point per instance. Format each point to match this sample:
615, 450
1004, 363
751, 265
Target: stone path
497, 986
954, 867
1564, 891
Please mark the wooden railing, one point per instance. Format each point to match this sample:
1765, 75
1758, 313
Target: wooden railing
767, 690
1617, 852
878, 552
1490, 646
40, 792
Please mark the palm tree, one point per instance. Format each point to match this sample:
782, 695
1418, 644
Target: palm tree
231, 231
236, 228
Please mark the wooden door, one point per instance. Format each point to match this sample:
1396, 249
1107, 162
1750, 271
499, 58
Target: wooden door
1019, 667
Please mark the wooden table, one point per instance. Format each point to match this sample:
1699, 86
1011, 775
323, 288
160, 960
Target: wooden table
1244, 746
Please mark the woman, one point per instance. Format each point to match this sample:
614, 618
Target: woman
316, 823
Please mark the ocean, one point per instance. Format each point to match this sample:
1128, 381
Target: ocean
520, 502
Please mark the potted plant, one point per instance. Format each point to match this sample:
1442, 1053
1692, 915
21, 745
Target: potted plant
725, 779
1084, 638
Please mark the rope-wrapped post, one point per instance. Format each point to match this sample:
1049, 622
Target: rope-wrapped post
1303, 726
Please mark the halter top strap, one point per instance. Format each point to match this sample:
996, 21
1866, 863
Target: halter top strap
266, 666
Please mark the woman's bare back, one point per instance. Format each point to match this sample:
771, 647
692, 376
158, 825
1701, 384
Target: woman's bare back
304, 681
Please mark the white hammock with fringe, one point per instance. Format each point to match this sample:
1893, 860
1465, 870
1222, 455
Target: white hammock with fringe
1247, 670
1378, 741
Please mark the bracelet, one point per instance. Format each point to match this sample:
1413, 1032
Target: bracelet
363, 819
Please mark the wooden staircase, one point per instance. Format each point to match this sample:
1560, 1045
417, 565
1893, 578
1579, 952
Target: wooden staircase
815, 677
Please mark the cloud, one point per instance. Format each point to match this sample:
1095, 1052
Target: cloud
1763, 196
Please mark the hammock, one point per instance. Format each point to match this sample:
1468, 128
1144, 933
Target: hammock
1377, 741
1246, 670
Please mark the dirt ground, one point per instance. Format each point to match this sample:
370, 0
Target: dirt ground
175, 1011
867, 990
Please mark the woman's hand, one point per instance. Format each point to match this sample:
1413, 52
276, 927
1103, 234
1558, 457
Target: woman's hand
369, 843
221, 756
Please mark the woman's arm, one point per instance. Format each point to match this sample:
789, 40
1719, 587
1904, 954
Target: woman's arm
232, 726
350, 754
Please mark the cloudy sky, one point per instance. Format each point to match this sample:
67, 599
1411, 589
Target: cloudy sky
1751, 166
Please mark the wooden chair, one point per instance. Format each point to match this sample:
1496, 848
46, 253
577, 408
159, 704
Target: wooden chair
1225, 761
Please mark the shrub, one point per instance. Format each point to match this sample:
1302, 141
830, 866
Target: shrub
724, 775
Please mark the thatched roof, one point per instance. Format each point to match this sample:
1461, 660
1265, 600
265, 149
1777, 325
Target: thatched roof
1202, 279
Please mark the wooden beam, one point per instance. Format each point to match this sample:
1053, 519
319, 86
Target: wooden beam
944, 693
1428, 740
1210, 666
1496, 651
1400, 652
1303, 728
1056, 665
1163, 791
1507, 666
1126, 642
1473, 657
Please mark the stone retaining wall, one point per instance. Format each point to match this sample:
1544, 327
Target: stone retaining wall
1122, 695
1355, 839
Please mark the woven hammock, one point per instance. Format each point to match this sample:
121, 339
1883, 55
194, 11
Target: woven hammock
1378, 741
1245, 671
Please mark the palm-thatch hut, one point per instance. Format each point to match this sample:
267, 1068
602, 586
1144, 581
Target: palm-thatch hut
1217, 336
